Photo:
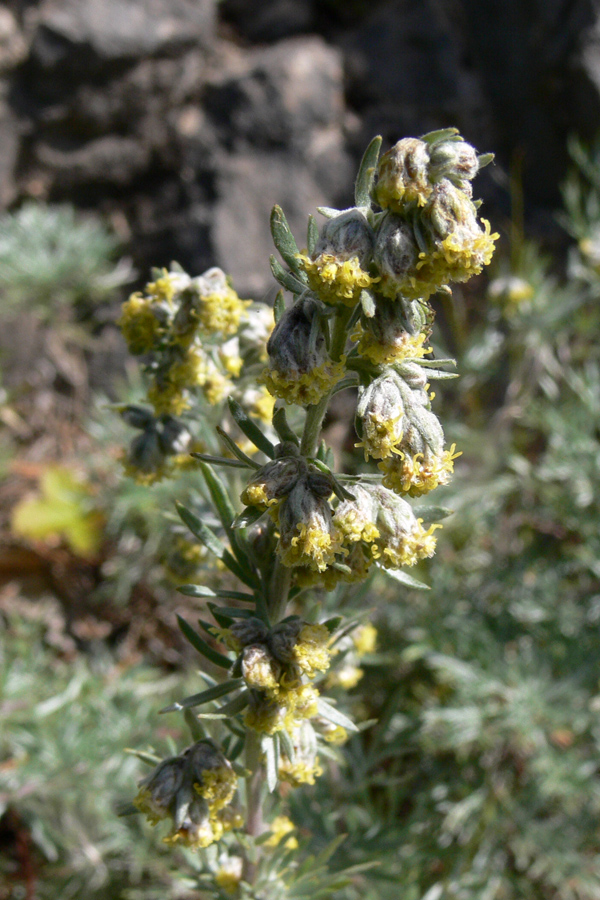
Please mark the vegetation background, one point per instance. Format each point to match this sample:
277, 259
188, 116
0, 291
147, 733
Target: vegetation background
134, 132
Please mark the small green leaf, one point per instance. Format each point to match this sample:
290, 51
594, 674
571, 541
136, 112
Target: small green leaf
278, 306
232, 708
429, 514
443, 134
287, 745
405, 579
286, 279
219, 497
197, 730
367, 302
200, 530
199, 590
484, 159
333, 714
207, 696
333, 624
270, 745
281, 426
248, 516
201, 646
284, 241
220, 460
312, 235
366, 173
237, 451
251, 430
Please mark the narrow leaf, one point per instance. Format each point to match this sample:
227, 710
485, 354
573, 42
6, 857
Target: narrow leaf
286, 279
429, 514
403, 578
366, 173
232, 708
220, 460
200, 530
281, 426
248, 516
312, 235
201, 646
251, 430
270, 746
219, 497
287, 745
284, 240
237, 451
278, 306
197, 730
333, 714
212, 693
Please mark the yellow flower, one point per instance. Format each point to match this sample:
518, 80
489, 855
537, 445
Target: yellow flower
217, 787
364, 638
280, 827
420, 473
311, 650
139, 325
306, 389
336, 280
221, 311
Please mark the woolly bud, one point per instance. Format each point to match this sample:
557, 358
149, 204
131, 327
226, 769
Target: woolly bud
159, 789
402, 175
455, 160
396, 257
273, 481
300, 370
347, 235
307, 536
379, 416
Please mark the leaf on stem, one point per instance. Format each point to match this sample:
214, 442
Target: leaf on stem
250, 429
366, 173
212, 693
285, 242
404, 578
202, 647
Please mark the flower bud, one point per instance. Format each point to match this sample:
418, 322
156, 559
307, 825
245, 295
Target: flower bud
305, 766
260, 670
300, 370
307, 536
337, 271
397, 258
273, 481
455, 160
402, 176
387, 337
460, 246
379, 416
159, 789
173, 436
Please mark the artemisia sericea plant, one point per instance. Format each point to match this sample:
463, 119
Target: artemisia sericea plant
240, 392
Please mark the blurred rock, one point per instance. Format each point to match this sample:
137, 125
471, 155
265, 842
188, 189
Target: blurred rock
270, 20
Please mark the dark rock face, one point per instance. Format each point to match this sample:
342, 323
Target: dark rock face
185, 120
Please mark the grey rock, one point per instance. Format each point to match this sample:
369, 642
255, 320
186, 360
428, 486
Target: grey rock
269, 20
280, 94
249, 185
118, 30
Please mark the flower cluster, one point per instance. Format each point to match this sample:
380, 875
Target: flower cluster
198, 340
194, 791
278, 665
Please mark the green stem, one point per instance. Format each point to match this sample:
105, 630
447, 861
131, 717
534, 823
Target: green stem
279, 588
254, 791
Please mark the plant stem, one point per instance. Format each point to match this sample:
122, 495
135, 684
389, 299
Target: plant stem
254, 790
277, 600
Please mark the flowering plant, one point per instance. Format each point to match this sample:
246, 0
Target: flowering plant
284, 526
